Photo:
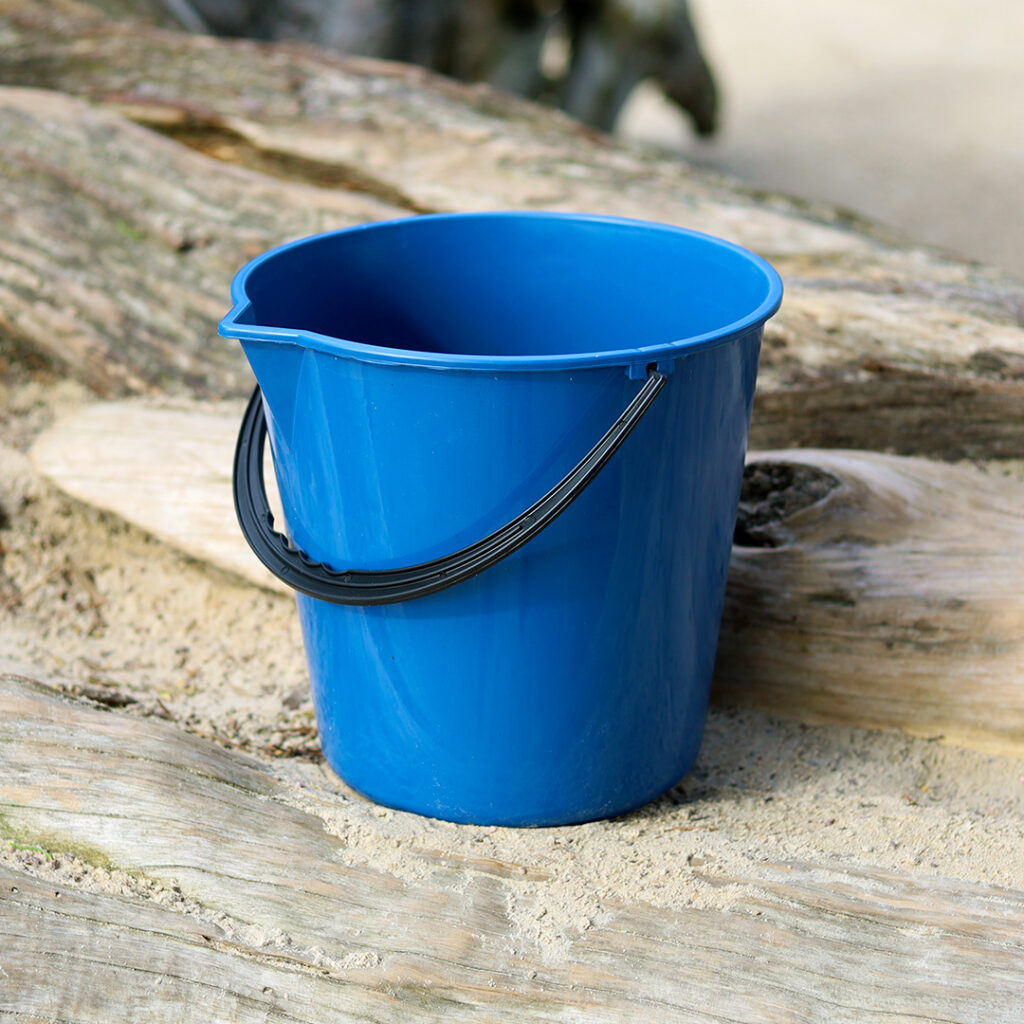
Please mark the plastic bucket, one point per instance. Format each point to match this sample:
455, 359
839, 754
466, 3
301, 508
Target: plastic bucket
425, 383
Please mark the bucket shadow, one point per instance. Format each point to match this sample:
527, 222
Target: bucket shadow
748, 755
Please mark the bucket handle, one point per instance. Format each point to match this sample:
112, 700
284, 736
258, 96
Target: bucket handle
389, 586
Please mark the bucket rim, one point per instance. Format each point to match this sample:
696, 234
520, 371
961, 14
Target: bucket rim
232, 327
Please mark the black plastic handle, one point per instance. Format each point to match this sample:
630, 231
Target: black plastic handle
388, 586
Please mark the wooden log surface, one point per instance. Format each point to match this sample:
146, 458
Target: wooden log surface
872, 589
236, 904
165, 467
879, 345
881, 590
118, 243
141, 167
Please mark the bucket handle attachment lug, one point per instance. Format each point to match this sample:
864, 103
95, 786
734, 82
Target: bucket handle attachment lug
389, 586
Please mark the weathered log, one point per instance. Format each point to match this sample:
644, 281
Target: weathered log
879, 590
878, 346
166, 467
250, 889
119, 245
263, 917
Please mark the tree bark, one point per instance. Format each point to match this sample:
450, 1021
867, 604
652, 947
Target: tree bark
879, 345
118, 245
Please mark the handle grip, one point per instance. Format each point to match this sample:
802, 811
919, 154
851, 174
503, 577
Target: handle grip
389, 586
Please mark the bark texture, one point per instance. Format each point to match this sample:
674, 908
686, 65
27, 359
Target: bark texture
879, 345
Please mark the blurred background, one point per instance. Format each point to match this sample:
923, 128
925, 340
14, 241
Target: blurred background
908, 111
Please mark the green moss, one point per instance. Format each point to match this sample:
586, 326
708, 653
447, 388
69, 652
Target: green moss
129, 230
21, 838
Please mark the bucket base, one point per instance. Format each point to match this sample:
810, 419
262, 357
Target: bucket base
577, 816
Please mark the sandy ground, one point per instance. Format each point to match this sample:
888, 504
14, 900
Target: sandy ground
94, 606
910, 111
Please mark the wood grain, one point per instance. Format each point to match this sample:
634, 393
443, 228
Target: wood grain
164, 467
119, 246
879, 345
141, 167
897, 598
277, 927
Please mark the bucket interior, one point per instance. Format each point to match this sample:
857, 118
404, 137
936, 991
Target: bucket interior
508, 285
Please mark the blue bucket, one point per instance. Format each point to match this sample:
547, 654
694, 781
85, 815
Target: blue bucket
509, 449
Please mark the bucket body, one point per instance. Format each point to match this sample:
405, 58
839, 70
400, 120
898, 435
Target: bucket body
426, 380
